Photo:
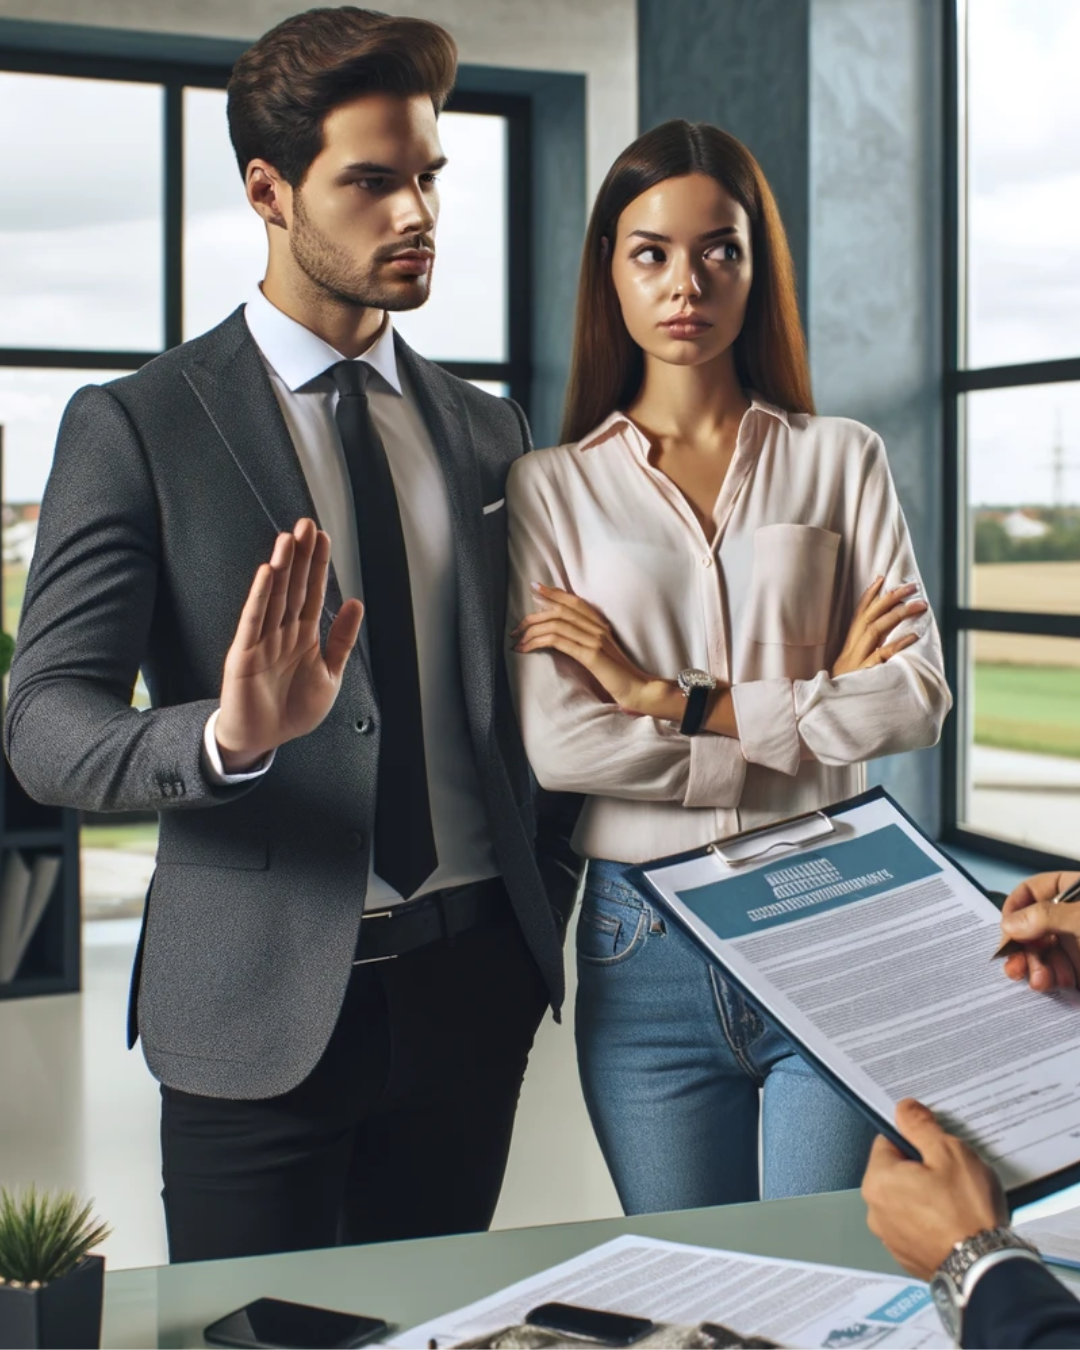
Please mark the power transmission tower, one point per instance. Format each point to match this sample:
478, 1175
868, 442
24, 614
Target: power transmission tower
1059, 466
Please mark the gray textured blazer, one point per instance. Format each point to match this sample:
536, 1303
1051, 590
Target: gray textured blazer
166, 493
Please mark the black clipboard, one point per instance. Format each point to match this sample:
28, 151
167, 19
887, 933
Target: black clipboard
1024, 1194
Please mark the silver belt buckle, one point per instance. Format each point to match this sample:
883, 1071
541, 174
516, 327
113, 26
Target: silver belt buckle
376, 914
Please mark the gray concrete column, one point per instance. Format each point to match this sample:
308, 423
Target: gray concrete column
876, 288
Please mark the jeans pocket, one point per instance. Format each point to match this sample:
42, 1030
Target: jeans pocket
610, 931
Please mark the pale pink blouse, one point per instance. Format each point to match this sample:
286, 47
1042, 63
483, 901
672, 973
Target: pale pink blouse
807, 518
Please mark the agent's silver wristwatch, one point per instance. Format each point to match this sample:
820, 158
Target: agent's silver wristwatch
958, 1274
696, 686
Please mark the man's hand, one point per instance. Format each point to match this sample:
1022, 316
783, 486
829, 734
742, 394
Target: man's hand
876, 615
1052, 960
921, 1210
278, 684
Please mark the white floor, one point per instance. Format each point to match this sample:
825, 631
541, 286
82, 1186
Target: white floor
1028, 799
79, 1111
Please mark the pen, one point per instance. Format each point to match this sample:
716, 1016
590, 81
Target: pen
1068, 896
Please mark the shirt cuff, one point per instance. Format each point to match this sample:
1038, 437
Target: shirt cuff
765, 716
978, 1269
212, 765
717, 772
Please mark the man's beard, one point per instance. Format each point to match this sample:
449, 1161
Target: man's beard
337, 273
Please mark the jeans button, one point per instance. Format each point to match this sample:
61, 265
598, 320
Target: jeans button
363, 725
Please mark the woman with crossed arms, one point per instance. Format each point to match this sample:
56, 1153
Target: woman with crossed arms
717, 620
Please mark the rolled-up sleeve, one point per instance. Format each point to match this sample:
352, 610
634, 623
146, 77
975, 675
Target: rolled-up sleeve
576, 739
897, 706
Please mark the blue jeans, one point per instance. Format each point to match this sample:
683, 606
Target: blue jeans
672, 1059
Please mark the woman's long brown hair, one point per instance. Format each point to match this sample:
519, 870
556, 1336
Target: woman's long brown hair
770, 353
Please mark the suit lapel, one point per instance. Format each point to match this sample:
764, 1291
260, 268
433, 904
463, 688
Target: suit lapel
235, 391
447, 419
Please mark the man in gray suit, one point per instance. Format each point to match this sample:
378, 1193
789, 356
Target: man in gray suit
352, 934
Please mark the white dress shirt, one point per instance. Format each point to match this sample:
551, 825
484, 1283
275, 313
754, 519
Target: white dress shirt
294, 357
806, 519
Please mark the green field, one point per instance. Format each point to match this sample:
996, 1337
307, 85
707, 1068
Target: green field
1034, 708
14, 587
128, 838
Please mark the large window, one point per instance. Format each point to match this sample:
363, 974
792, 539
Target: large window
124, 230
1013, 428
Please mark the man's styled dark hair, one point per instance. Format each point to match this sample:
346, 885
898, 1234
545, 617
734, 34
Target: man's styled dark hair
283, 87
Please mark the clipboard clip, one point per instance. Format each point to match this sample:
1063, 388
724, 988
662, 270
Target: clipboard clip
754, 845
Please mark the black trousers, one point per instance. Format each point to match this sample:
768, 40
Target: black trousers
402, 1130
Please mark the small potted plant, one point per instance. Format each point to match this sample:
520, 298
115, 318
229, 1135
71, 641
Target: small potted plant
51, 1288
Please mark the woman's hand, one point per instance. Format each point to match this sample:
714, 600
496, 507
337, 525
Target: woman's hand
875, 617
572, 626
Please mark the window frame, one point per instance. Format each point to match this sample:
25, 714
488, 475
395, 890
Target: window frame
174, 76
958, 619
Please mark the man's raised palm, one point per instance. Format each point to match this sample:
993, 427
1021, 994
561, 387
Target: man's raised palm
278, 682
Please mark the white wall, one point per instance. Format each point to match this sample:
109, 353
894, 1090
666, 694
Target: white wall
597, 38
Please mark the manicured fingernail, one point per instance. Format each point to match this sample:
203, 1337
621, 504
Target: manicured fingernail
535, 585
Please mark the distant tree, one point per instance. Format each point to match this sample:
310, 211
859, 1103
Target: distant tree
992, 542
1061, 542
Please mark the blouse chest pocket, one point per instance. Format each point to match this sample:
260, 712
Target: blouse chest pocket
791, 587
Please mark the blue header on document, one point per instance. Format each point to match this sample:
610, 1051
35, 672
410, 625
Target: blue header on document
811, 883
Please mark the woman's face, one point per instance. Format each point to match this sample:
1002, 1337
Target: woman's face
682, 269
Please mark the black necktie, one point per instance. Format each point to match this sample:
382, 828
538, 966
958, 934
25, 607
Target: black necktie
405, 854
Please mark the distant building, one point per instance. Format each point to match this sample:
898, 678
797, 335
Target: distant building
1024, 524
19, 541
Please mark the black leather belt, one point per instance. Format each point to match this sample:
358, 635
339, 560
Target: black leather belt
440, 916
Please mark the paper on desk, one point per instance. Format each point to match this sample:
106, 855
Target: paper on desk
1057, 1236
793, 1302
872, 950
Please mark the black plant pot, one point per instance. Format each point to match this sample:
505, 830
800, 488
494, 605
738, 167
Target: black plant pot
63, 1315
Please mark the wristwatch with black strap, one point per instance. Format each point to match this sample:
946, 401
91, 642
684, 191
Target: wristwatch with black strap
965, 1265
695, 686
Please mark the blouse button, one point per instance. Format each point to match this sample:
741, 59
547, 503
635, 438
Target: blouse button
706, 561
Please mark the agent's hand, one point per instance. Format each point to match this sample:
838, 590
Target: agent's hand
278, 684
1049, 932
921, 1210
578, 630
876, 616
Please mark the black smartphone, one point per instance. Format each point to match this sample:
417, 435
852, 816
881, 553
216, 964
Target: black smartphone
272, 1322
606, 1328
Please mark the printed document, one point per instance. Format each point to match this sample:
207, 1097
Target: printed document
1057, 1236
874, 952
794, 1303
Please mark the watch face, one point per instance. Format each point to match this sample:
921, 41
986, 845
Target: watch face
695, 679
943, 1292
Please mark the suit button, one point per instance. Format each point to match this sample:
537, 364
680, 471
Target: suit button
363, 725
355, 840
